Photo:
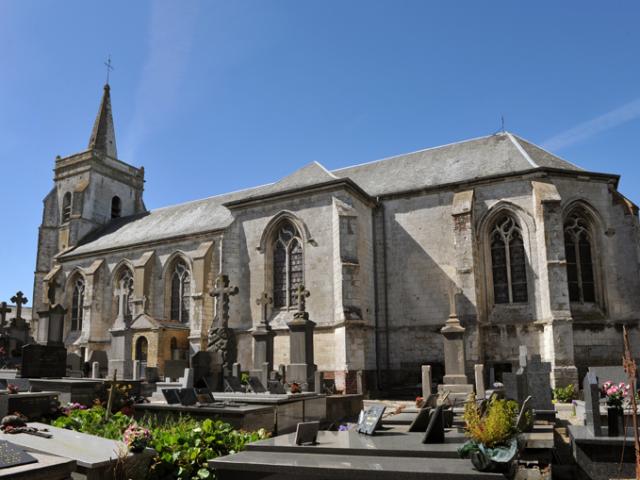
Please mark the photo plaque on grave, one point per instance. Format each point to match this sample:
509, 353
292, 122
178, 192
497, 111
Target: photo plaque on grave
256, 386
370, 419
307, 433
11, 455
233, 385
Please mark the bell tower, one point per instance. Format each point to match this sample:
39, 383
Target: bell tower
91, 189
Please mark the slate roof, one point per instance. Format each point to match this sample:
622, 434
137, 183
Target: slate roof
499, 154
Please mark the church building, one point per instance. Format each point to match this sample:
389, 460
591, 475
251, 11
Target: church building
532, 249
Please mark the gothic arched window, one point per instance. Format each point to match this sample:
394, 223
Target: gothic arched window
180, 292
288, 268
77, 302
508, 261
116, 207
578, 245
124, 286
66, 207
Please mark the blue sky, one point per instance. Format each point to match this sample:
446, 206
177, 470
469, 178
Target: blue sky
217, 96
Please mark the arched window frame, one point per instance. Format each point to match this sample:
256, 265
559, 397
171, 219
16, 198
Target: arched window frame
124, 279
116, 207
505, 235
179, 285
579, 225
66, 207
287, 264
77, 302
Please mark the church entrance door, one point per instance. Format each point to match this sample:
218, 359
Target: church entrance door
142, 348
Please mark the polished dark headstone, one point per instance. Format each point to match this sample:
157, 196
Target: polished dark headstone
276, 387
233, 384
43, 361
187, 396
12, 455
171, 395
307, 433
421, 421
435, 428
203, 397
256, 386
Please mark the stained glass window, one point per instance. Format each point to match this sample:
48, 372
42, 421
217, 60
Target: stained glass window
77, 302
508, 262
577, 244
288, 266
180, 292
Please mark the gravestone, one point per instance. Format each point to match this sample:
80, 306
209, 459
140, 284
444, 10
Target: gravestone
12, 455
426, 381
420, 423
74, 362
276, 387
256, 386
479, 377
233, 385
591, 393
236, 370
370, 419
43, 361
614, 374
307, 433
95, 370
538, 378
263, 340
302, 368
187, 396
171, 395
221, 338
205, 370
435, 428
318, 379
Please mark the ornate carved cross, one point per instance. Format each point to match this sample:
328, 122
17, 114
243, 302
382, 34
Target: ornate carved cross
3, 313
19, 299
302, 295
265, 300
121, 293
222, 291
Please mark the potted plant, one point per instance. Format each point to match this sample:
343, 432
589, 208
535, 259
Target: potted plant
492, 428
615, 395
136, 438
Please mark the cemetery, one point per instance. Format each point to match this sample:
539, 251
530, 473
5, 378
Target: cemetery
263, 422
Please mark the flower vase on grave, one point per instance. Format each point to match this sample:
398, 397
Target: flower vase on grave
614, 421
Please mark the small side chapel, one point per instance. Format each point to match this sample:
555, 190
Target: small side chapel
542, 252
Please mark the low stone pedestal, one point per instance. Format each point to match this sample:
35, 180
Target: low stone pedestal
302, 368
48, 467
33, 405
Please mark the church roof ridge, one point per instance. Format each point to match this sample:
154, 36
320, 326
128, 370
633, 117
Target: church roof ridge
421, 150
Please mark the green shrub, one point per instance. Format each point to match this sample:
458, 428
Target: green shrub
564, 394
184, 445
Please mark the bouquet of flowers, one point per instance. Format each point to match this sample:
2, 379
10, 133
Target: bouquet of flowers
136, 438
73, 406
615, 394
11, 388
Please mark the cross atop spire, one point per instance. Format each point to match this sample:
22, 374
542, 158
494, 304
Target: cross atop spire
103, 135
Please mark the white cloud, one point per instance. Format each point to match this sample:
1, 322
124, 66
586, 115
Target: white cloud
588, 129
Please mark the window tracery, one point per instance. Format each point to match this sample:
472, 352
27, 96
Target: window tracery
508, 262
288, 266
77, 303
180, 292
578, 245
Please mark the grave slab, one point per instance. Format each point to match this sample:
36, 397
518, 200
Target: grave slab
254, 465
95, 457
48, 467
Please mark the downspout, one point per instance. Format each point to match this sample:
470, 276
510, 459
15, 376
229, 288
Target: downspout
376, 303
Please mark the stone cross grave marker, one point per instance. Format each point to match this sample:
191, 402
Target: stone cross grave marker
264, 301
121, 294
592, 404
222, 291
302, 294
19, 299
3, 313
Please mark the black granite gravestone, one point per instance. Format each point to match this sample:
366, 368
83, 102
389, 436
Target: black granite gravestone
370, 419
12, 455
275, 387
421, 421
307, 433
43, 361
256, 386
435, 429
233, 384
187, 396
171, 395
592, 404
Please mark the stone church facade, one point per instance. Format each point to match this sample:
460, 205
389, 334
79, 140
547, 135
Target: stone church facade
539, 252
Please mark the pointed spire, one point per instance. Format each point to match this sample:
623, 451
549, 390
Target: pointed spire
103, 135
